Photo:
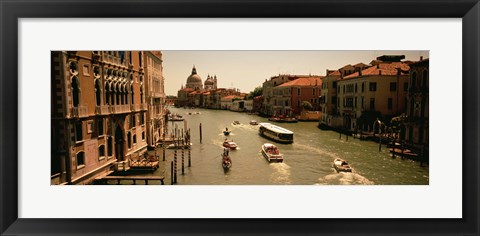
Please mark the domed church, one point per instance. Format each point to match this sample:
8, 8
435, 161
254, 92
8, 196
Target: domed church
211, 82
194, 81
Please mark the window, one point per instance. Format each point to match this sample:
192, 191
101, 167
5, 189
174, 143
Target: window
405, 86
355, 102
363, 87
313, 92
393, 87
362, 102
373, 87
390, 103
110, 146
343, 88
97, 92
100, 126
101, 152
133, 94
80, 160
143, 135
134, 139
334, 84
372, 104
142, 118
129, 140
298, 91
75, 92
78, 131
355, 88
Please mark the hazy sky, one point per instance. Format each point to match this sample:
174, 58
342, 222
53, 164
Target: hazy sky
248, 69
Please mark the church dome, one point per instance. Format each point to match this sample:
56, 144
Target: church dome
194, 80
209, 81
194, 77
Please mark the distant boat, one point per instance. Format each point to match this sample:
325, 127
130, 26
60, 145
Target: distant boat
230, 144
253, 122
172, 146
275, 133
236, 122
341, 165
271, 153
226, 132
226, 162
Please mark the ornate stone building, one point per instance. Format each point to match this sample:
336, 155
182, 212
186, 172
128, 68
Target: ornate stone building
97, 113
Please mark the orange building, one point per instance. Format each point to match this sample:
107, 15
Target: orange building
98, 113
289, 97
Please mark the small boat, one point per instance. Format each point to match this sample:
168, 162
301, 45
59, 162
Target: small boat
271, 153
290, 120
341, 165
230, 144
236, 122
253, 122
226, 162
226, 132
275, 119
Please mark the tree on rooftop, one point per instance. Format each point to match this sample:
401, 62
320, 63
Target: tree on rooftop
258, 91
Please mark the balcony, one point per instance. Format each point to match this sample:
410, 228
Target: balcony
80, 111
101, 110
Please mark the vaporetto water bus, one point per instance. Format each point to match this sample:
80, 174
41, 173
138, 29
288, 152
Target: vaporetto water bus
275, 133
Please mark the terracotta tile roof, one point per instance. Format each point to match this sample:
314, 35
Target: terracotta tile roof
336, 72
383, 69
308, 81
229, 97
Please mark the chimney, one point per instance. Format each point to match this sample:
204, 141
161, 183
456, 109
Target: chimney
421, 58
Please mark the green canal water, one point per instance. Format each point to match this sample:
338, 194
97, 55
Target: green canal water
308, 161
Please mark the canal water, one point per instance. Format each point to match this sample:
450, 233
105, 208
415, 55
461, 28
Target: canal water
308, 161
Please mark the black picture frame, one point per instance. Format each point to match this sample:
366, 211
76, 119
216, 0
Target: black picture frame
11, 11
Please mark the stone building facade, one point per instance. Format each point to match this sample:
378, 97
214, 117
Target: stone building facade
98, 113
155, 87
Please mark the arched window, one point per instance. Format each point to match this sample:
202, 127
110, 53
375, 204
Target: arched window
122, 93
110, 146
97, 92
133, 94
118, 92
141, 92
129, 140
75, 92
143, 135
80, 159
107, 93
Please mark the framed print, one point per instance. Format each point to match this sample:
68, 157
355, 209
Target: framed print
119, 163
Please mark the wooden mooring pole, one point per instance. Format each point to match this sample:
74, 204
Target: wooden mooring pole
175, 166
171, 172
189, 156
163, 151
183, 165
200, 127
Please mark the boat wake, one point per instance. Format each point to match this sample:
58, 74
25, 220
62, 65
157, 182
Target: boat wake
281, 174
317, 150
344, 178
